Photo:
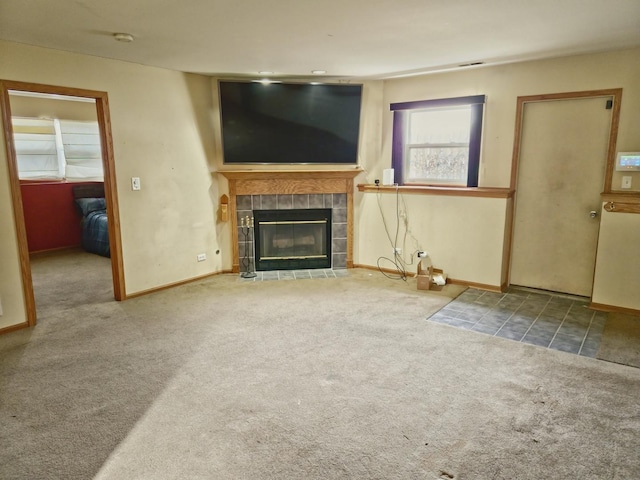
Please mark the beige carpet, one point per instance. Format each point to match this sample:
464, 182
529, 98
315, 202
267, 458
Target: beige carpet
308, 379
70, 278
621, 340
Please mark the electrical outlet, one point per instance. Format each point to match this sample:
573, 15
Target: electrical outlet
201, 257
422, 254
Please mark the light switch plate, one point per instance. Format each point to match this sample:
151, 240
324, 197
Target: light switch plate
626, 182
135, 183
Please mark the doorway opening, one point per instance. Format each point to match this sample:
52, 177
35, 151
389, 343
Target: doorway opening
10, 90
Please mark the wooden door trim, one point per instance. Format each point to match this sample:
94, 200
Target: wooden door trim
111, 197
616, 93
18, 211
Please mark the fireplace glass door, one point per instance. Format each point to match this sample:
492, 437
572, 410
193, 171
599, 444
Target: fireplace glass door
292, 239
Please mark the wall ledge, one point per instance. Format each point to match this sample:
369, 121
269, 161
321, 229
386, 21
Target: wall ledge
621, 202
482, 192
626, 197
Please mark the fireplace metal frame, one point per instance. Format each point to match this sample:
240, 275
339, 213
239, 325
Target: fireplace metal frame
293, 216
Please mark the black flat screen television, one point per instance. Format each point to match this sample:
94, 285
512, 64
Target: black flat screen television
289, 123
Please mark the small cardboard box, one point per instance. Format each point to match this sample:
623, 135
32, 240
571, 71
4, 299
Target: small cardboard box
426, 273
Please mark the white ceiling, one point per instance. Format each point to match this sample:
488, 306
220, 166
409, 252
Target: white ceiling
347, 38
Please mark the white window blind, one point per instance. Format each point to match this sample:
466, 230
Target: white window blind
36, 150
57, 149
82, 151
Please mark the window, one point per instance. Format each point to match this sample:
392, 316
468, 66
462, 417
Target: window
57, 149
437, 142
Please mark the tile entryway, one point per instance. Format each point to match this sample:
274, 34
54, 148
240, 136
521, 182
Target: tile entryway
296, 274
552, 321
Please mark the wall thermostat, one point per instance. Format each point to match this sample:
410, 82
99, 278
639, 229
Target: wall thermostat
628, 161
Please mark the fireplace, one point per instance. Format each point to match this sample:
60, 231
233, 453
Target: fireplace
251, 190
281, 206
294, 239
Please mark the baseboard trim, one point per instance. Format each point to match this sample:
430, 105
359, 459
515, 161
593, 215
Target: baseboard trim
390, 271
13, 328
174, 284
55, 250
613, 309
480, 286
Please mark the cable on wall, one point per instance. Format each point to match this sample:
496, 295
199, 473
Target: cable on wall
397, 261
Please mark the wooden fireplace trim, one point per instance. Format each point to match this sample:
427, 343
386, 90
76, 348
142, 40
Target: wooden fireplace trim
274, 182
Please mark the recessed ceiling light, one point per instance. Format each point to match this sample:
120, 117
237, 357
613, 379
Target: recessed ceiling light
318, 72
123, 37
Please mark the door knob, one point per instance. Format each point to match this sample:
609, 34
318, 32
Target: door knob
593, 214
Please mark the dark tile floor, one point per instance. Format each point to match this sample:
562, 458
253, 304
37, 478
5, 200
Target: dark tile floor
552, 321
295, 274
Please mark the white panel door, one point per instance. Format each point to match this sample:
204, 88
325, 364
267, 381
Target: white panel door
563, 153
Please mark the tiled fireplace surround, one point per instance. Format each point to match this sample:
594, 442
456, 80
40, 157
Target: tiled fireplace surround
337, 202
288, 189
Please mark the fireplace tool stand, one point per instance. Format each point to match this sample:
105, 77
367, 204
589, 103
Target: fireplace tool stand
246, 225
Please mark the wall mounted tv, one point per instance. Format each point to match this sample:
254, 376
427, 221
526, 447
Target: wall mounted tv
290, 123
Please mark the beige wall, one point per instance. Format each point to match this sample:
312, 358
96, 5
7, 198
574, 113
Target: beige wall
464, 236
162, 133
503, 84
618, 264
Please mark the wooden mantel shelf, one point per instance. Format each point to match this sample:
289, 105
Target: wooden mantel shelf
266, 182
